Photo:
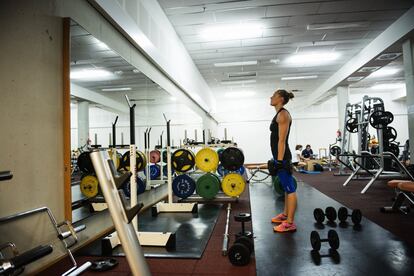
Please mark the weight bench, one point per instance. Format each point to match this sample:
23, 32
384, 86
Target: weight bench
405, 191
255, 168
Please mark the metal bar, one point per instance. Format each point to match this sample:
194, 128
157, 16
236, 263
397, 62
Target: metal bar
350, 177
226, 231
372, 181
125, 230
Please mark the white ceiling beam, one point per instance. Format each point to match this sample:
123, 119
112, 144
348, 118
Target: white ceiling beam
391, 35
94, 97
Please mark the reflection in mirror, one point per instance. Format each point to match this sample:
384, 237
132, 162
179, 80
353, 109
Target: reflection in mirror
100, 79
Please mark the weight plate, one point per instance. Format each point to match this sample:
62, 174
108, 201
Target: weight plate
182, 160
333, 239
277, 185
207, 160
85, 163
221, 170
319, 215
89, 186
232, 158
393, 148
335, 151
233, 184
352, 125
141, 161
239, 254
315, 240
380, 119
164, 156
155, 156
219, 152
390, 134
165, 170
330, 213
356, 216
246, 241
155, 171
183, 186
103, 264
207, 186
342, 214
141, 186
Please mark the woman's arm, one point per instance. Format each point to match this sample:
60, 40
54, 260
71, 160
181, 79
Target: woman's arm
283, 120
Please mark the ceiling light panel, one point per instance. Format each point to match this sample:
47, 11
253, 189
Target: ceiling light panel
369, 69
91, 75
384, 72
236, 63
354, 79
312, 59
231, 32
299, 77
388, 56
337, 25
116, 89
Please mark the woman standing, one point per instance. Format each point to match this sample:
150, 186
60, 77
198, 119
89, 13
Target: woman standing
280, 128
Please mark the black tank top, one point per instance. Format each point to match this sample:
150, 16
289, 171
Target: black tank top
274, 138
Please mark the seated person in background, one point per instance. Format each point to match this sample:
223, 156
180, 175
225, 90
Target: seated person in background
373, 144
297, 159
307, 153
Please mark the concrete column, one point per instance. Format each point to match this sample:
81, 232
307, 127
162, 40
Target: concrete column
408, 56
83, 123
343, 98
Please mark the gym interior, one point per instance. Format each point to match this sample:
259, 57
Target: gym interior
206, 137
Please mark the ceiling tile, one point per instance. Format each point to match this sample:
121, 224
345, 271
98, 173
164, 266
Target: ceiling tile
294, 9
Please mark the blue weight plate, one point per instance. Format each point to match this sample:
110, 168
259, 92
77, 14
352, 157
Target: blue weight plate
141, 185
164, 170
183, 186
221, 170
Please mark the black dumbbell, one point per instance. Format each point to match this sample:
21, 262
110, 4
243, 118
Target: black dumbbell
243, 217
356, 215
316, 256
332, 239
239, 253
330, 214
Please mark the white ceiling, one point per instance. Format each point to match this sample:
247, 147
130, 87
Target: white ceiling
284, 33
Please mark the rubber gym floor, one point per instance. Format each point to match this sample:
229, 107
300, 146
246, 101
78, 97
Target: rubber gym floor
382, 245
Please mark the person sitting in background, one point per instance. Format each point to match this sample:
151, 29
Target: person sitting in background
297, 159
307, 153
373, 144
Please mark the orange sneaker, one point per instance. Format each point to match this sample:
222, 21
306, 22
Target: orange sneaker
285, 227
279, 218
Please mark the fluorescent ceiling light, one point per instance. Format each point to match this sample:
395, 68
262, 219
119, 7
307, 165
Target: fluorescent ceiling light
369, 69
300, 77
91, 74
117, 89
234, 31
388, 86
336, 25
241, 94
230, 82
236, 63
351, 79
388, 56
136, 71
312, 59
275, 61
242, 74
383, 72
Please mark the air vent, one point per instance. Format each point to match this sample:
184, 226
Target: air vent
353, 79
242, 74
388, 56
369, 69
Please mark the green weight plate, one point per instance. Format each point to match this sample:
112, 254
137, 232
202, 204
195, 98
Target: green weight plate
207, 186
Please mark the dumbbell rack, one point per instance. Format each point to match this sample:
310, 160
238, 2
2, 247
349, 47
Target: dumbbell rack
170, 206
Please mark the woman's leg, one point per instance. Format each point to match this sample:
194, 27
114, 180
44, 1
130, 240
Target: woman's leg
290, 206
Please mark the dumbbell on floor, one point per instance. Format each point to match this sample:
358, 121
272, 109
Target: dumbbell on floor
356, 215
332, 239
243, 217
316, 256
330, 214
239, 253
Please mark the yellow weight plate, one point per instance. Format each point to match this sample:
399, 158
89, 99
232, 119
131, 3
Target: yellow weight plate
143, 164
207, 160
89, 186
233, 184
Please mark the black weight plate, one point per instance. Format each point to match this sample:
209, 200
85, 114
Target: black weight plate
319, 215
246, 241
356, 216
392, 147
182, 160
239, 254
315, 240
85, 163
352, 125
342, 214
333, 239
232, 158
390, 134
335, 151
389, 116
183, 186
330, 213
104, 264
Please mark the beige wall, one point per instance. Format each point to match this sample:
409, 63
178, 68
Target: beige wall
31, 116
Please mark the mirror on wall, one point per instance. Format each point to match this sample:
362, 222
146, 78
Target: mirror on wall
100, 79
